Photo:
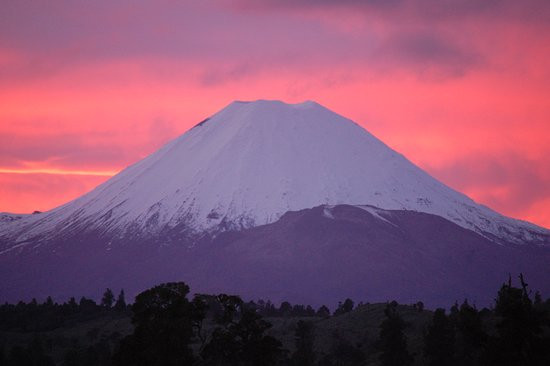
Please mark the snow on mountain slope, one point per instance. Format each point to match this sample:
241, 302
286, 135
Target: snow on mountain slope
252, 162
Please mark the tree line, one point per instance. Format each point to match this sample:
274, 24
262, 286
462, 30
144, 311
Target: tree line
172, 328
49, 315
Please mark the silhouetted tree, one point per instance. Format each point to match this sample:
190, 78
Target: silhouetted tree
108, 299
520, 340
120, 304
304, 339
392, 341
538, 298
163, 328
470, 337
323, 312
439, 340
72, 306
285, 309
239, 338
298, 310
310, 311
344, 307
270, 308
87, 307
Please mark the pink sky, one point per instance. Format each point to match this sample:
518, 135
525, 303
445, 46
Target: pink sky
462, 88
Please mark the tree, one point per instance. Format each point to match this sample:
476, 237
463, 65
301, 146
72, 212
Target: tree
87, 306
285, 309
49, 302
439, 340
345, 307
72, 306
520, 338
108, 299
538, 299
298, 310
470, 337
392, 341
304, 338
120, 304
323, 312
310, 311
163, 328
239, 338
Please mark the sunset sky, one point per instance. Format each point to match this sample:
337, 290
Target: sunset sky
461, 88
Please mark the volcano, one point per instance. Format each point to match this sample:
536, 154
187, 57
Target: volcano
282, 201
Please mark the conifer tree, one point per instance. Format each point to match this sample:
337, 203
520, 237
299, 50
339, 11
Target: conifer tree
120, 304
304, 338
108, 299
470, 336
323, 312
439, 340
520, 340
392, 341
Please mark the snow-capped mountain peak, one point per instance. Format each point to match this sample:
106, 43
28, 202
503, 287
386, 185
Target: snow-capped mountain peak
253, 161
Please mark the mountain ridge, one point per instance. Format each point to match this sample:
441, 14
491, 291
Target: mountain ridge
318, 255
250, 163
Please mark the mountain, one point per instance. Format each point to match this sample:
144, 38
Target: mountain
252, 162
246, 169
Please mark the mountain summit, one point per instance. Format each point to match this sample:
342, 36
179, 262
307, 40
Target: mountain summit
249, 164
274, 200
